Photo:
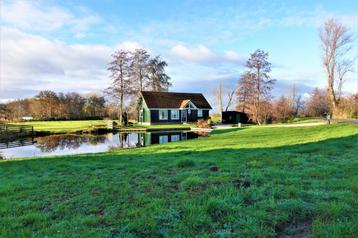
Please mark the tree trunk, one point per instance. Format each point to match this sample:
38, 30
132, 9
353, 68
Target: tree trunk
257, 107
219, 96
121, 99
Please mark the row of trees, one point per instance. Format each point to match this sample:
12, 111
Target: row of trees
254, 91
48, 105
132, 72
316, 105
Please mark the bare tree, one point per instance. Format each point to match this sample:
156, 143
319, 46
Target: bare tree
317, 104
336, 43
139, 69
259, 85
296, 101
343, 68
119, 68
244, 91
48, 103
158, 79
230, 96
219, 97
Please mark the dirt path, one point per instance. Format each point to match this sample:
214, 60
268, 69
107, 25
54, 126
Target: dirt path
348, 121
298, 124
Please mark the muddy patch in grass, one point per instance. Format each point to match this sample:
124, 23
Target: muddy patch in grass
241, 183
151, 177
186, 163
214, 168
293, 229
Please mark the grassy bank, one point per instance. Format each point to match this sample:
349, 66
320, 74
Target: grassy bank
65, 126
254, 182
88, 126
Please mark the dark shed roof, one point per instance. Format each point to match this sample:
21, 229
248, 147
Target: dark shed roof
173, 100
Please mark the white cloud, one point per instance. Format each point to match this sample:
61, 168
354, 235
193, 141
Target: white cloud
128, 45
196, 54
202, 54
30, 63
37, 16
316, 18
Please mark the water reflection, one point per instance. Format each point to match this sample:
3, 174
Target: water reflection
54, 142
76, 144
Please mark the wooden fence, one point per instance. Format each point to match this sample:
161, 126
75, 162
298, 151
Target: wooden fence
17, 143
10, 133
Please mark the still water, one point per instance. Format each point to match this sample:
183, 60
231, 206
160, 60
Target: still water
68, 144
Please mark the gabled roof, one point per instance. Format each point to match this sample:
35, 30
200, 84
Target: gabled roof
173, 100
184, 103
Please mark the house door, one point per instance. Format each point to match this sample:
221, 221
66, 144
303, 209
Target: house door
184, 116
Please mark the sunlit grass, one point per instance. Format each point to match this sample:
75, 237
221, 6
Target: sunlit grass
252, 182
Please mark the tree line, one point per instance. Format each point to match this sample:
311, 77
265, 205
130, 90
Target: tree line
254, 90
48, 105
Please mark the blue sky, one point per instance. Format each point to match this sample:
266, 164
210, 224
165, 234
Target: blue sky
65, 45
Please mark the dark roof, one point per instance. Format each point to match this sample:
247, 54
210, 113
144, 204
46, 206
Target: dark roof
173, 100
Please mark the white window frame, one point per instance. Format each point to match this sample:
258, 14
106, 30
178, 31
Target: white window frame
165, 115
200, 113
174, 113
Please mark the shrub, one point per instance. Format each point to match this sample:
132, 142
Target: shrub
204, 123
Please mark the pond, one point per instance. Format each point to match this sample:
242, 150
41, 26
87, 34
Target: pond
68, 144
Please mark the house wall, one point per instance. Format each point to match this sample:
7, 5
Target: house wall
192, 117
154, 115
205, 114
146, 115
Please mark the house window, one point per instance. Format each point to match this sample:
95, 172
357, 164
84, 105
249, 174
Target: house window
174, 138
163, 139
163, 114
200, 113
174, 114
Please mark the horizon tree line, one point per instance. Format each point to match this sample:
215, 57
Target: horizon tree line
48, 105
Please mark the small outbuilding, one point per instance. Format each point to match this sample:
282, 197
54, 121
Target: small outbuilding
234, 117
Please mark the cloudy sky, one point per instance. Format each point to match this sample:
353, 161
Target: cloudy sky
66, 45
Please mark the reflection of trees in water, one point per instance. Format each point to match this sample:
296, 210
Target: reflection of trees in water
124, 141
68, 141
129, 140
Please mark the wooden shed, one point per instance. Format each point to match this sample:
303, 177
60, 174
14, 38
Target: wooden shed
234, 117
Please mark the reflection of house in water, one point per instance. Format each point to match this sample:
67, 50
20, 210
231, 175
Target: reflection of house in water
152, 138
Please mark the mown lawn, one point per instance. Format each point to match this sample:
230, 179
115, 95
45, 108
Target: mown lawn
65, 126
254, 182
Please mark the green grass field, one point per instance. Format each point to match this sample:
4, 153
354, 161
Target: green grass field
65, 126
253, 182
